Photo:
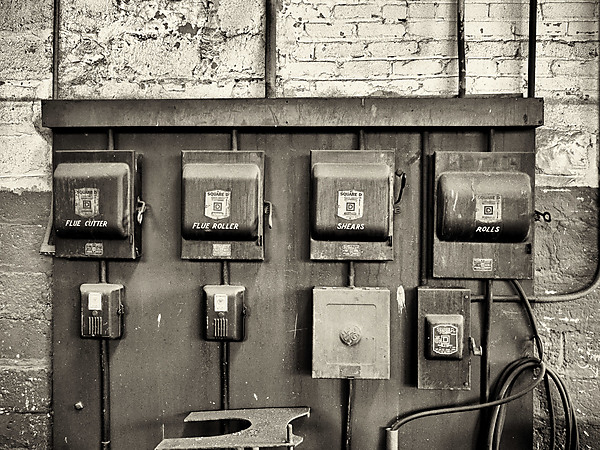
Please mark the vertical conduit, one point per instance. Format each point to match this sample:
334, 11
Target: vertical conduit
425, 202
460, 38
532, 48
55, 49
104, 377
270, 47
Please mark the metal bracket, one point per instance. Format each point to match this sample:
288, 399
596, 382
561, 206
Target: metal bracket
268, 211
269, 427
475, 349
141, 209
401, 176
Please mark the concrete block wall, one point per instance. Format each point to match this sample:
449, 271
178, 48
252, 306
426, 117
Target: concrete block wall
204, 48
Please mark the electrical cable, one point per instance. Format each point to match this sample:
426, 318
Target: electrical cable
571, 428
532, 363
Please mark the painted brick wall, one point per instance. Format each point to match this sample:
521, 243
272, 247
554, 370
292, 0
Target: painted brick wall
203, 48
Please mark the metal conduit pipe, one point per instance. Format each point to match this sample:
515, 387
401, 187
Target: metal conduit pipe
105, 436
460, 40
55, 49
270, 47
532, 48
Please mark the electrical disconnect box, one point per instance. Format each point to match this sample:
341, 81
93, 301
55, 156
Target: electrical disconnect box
101, 310
222, 205
352, 205
444, 328
225, 312
95, 200
483, 215
351, 333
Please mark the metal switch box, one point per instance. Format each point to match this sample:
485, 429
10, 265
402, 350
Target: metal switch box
484, 206
444, 335
225, 312
351, 333
101, 310
482, 215
95, 201
352, 204
222, 205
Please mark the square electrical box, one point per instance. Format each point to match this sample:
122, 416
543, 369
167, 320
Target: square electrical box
95, 200
352, 205
101, 310
444, 328
225, 312
483, 215
222, 205
351, 333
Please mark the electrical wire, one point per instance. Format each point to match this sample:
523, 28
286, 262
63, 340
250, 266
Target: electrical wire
571, 429
533, 363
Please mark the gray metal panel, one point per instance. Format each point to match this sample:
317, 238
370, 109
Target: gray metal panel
296, 112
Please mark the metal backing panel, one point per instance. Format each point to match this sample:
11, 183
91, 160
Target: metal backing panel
162, 369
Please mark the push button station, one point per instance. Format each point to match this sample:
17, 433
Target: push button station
444, 328
444, 335
225, 312
101, 310
352, 205
95, 199
222, 205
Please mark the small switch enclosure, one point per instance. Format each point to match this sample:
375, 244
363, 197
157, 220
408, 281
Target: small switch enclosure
351, 333
444, 327
352, 205
222, 205
101, 310
95, 199
225, 312
444, 336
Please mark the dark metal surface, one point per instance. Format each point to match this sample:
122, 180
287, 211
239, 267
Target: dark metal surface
162, 368
296, 112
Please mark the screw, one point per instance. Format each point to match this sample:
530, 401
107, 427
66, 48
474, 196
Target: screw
78, 406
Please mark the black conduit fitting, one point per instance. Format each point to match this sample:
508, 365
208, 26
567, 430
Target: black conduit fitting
225, 278
460, 39
104, 378
532, 50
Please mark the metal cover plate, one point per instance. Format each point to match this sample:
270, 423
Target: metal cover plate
351, 333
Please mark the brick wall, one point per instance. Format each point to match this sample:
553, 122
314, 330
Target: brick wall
200, 48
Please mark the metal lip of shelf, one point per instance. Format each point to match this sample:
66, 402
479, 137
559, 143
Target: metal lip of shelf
270, 427
404, 112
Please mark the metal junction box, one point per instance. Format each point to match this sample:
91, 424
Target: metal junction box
101, 310
225, 312
222, 205
95, 196
444, 328
351, 205
351, 333
483, 215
